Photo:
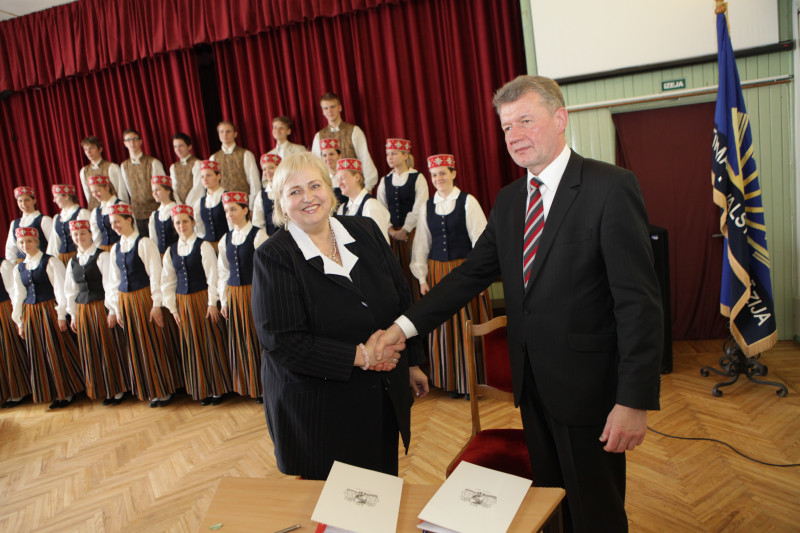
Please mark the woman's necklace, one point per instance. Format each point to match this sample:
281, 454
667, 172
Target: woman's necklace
333, 252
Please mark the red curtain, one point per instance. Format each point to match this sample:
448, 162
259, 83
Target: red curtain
669, 150
424, 70
42, 128
89, 35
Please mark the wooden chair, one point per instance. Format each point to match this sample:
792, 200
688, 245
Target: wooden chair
499, 449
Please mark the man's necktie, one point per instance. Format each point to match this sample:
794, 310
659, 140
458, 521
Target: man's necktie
534, 224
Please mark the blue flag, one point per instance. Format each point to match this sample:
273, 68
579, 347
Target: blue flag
746, 295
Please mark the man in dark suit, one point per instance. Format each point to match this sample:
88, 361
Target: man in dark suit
584, 328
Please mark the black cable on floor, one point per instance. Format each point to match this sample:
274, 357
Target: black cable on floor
726, 444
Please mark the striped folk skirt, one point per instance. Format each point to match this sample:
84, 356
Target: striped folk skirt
66, 257
402, 249
56, 370
244, 351
105, 365
205, 365
15, 369
448, 364
155, 370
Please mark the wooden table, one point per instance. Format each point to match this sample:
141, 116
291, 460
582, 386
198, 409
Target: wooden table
269, 505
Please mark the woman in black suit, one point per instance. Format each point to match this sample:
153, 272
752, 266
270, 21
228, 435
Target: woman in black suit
322, 285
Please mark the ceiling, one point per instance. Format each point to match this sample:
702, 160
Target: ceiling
10, 9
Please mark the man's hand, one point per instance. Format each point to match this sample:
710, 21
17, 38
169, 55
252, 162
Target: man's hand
625, 429
385, 343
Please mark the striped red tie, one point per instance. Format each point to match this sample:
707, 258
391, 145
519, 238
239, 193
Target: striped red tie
534, 224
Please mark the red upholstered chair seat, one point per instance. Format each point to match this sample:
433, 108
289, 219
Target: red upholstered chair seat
499, 449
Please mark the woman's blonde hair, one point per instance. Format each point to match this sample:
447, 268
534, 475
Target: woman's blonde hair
288, 169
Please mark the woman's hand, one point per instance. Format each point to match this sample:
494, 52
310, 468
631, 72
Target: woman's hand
224, 312
74, 325
418, 380
156, 316
62, 325
21, 332
111, 320
213, 314
424, 288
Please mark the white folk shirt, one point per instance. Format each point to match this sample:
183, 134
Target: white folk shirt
25, 221
372, 209
197, 187
55, 273
476, 223
71, 289
238, 236
169, 277
420, 195
150, 256
286, 148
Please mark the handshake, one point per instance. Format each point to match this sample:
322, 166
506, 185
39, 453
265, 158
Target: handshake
382, 350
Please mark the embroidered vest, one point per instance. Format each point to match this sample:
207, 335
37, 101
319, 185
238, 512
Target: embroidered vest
62, 229
131, 269
400, 200
37, 223
189, 269
240, 258
139, 176
183, 174
103, 169
88, 279
232, 168
344, 135
214, 220
449, 237
37, 282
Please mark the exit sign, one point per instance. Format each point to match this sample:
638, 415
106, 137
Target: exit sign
671, 85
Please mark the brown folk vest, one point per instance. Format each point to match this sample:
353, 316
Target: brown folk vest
183, 173
232, 169
344, 135
139, 181
102, 170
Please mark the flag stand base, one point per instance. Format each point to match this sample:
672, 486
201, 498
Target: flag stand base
734, 363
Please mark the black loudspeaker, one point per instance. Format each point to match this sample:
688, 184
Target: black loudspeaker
660, 243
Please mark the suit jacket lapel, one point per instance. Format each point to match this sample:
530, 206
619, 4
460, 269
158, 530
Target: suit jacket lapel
565, 195
342, 281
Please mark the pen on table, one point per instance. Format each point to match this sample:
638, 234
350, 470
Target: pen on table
288, 529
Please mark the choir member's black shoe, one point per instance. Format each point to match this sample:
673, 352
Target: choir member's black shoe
259, 400
65, 403
456, 395
109, 401
154, 403
205, 401
13, 403
56, 404
164, 403
216, 400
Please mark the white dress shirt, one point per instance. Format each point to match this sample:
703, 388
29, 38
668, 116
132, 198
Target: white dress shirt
169, 276
250, 171
55, 273
476, 223
54, 240
310, 250
238, 236
197, 188
150, 256
114, 175
359, 141
26, 221
71, 288
420, 195
372, 209
212, 200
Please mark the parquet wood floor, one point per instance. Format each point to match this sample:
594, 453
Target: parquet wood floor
90, 468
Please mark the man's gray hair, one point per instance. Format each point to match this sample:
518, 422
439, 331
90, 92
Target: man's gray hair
521, 85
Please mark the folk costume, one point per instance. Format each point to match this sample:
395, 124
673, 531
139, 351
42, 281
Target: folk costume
189, 285
235, 265
264, 204
103, 352
102, 234
34, 219
363, 205
136, 275
162, 230
39, 304
447, 230
60, 242
15, 371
